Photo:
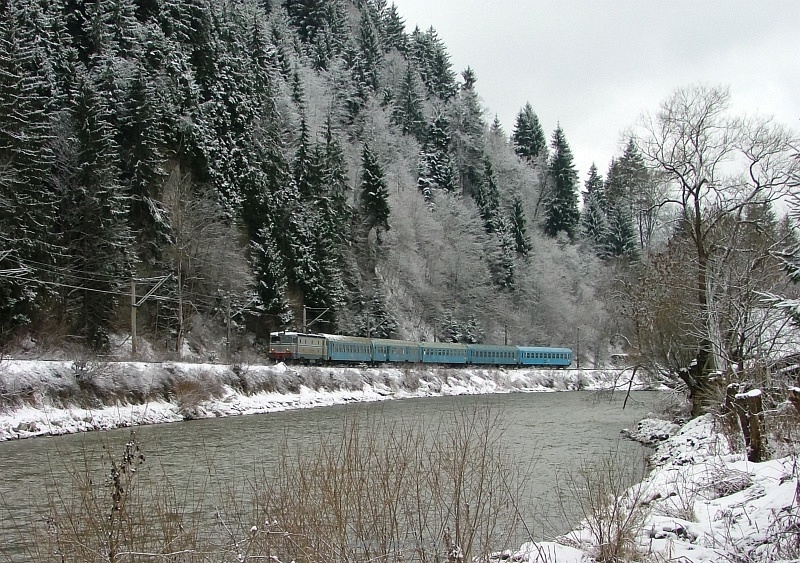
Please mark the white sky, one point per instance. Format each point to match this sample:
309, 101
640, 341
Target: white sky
595, 66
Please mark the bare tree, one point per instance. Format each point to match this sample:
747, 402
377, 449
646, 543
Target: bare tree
718, 165
210, 272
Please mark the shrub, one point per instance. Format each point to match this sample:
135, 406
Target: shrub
379, 492
612, 509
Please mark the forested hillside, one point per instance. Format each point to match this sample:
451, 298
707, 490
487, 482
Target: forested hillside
258, 158
235, 167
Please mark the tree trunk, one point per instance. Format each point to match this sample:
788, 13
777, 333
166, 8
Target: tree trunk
748, 407
794, 398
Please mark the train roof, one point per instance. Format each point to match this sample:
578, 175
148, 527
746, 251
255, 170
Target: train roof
360, 339
295, 333
543, 349
450, 345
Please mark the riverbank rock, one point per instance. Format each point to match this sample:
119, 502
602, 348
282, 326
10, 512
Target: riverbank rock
651, 432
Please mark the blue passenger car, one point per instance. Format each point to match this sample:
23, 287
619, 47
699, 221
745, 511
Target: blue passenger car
395, 351
545, 357
443, 353
349, 349
488, 354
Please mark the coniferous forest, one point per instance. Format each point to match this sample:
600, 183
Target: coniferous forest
240, 166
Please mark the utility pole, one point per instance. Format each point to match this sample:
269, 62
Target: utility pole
136, 304
133, 318
305, 329
228, 331
578, 350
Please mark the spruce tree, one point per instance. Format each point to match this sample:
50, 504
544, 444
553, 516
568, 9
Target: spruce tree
374, 194
376, 321
528, 136
394, 30
435, 170
594, 184
621, 239
433, 62
28, 200
561, 207
408, 114
594, 222
502, 260
93, 223
334, 179
369, 54
142, 163
519, 226
308, 17
487, 198
270, 276
468, 130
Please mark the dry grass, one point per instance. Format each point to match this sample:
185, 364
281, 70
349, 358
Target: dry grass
611, 501
378, 493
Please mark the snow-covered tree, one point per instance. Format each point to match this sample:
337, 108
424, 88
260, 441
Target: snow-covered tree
374, 194
28, 199
468, 129
93, 220
519, 226
561, 207
408, 112
528, 136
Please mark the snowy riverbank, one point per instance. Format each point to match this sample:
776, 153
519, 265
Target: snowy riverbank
63, 397
702, 501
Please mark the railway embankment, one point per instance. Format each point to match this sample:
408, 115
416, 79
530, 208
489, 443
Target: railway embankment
60, 396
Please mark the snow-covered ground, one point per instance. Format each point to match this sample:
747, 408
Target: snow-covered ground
61, 397
703, 501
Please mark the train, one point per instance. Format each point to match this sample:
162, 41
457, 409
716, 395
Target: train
301, 347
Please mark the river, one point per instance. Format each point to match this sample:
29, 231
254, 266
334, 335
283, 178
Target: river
546, 437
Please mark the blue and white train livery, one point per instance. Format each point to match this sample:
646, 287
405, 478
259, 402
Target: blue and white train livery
329, 348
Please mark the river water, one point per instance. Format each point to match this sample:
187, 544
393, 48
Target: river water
547, 437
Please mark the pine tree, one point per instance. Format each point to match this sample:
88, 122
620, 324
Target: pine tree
468, 130
270, 275
142, 163
487, 198
519, 226
433, 62
528, 136
408, 113
594, 222
621, 238
561, 208
28, 203
394, 28
374, 194
94, 220
435, 170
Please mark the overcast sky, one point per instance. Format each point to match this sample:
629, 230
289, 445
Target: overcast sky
595, 66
